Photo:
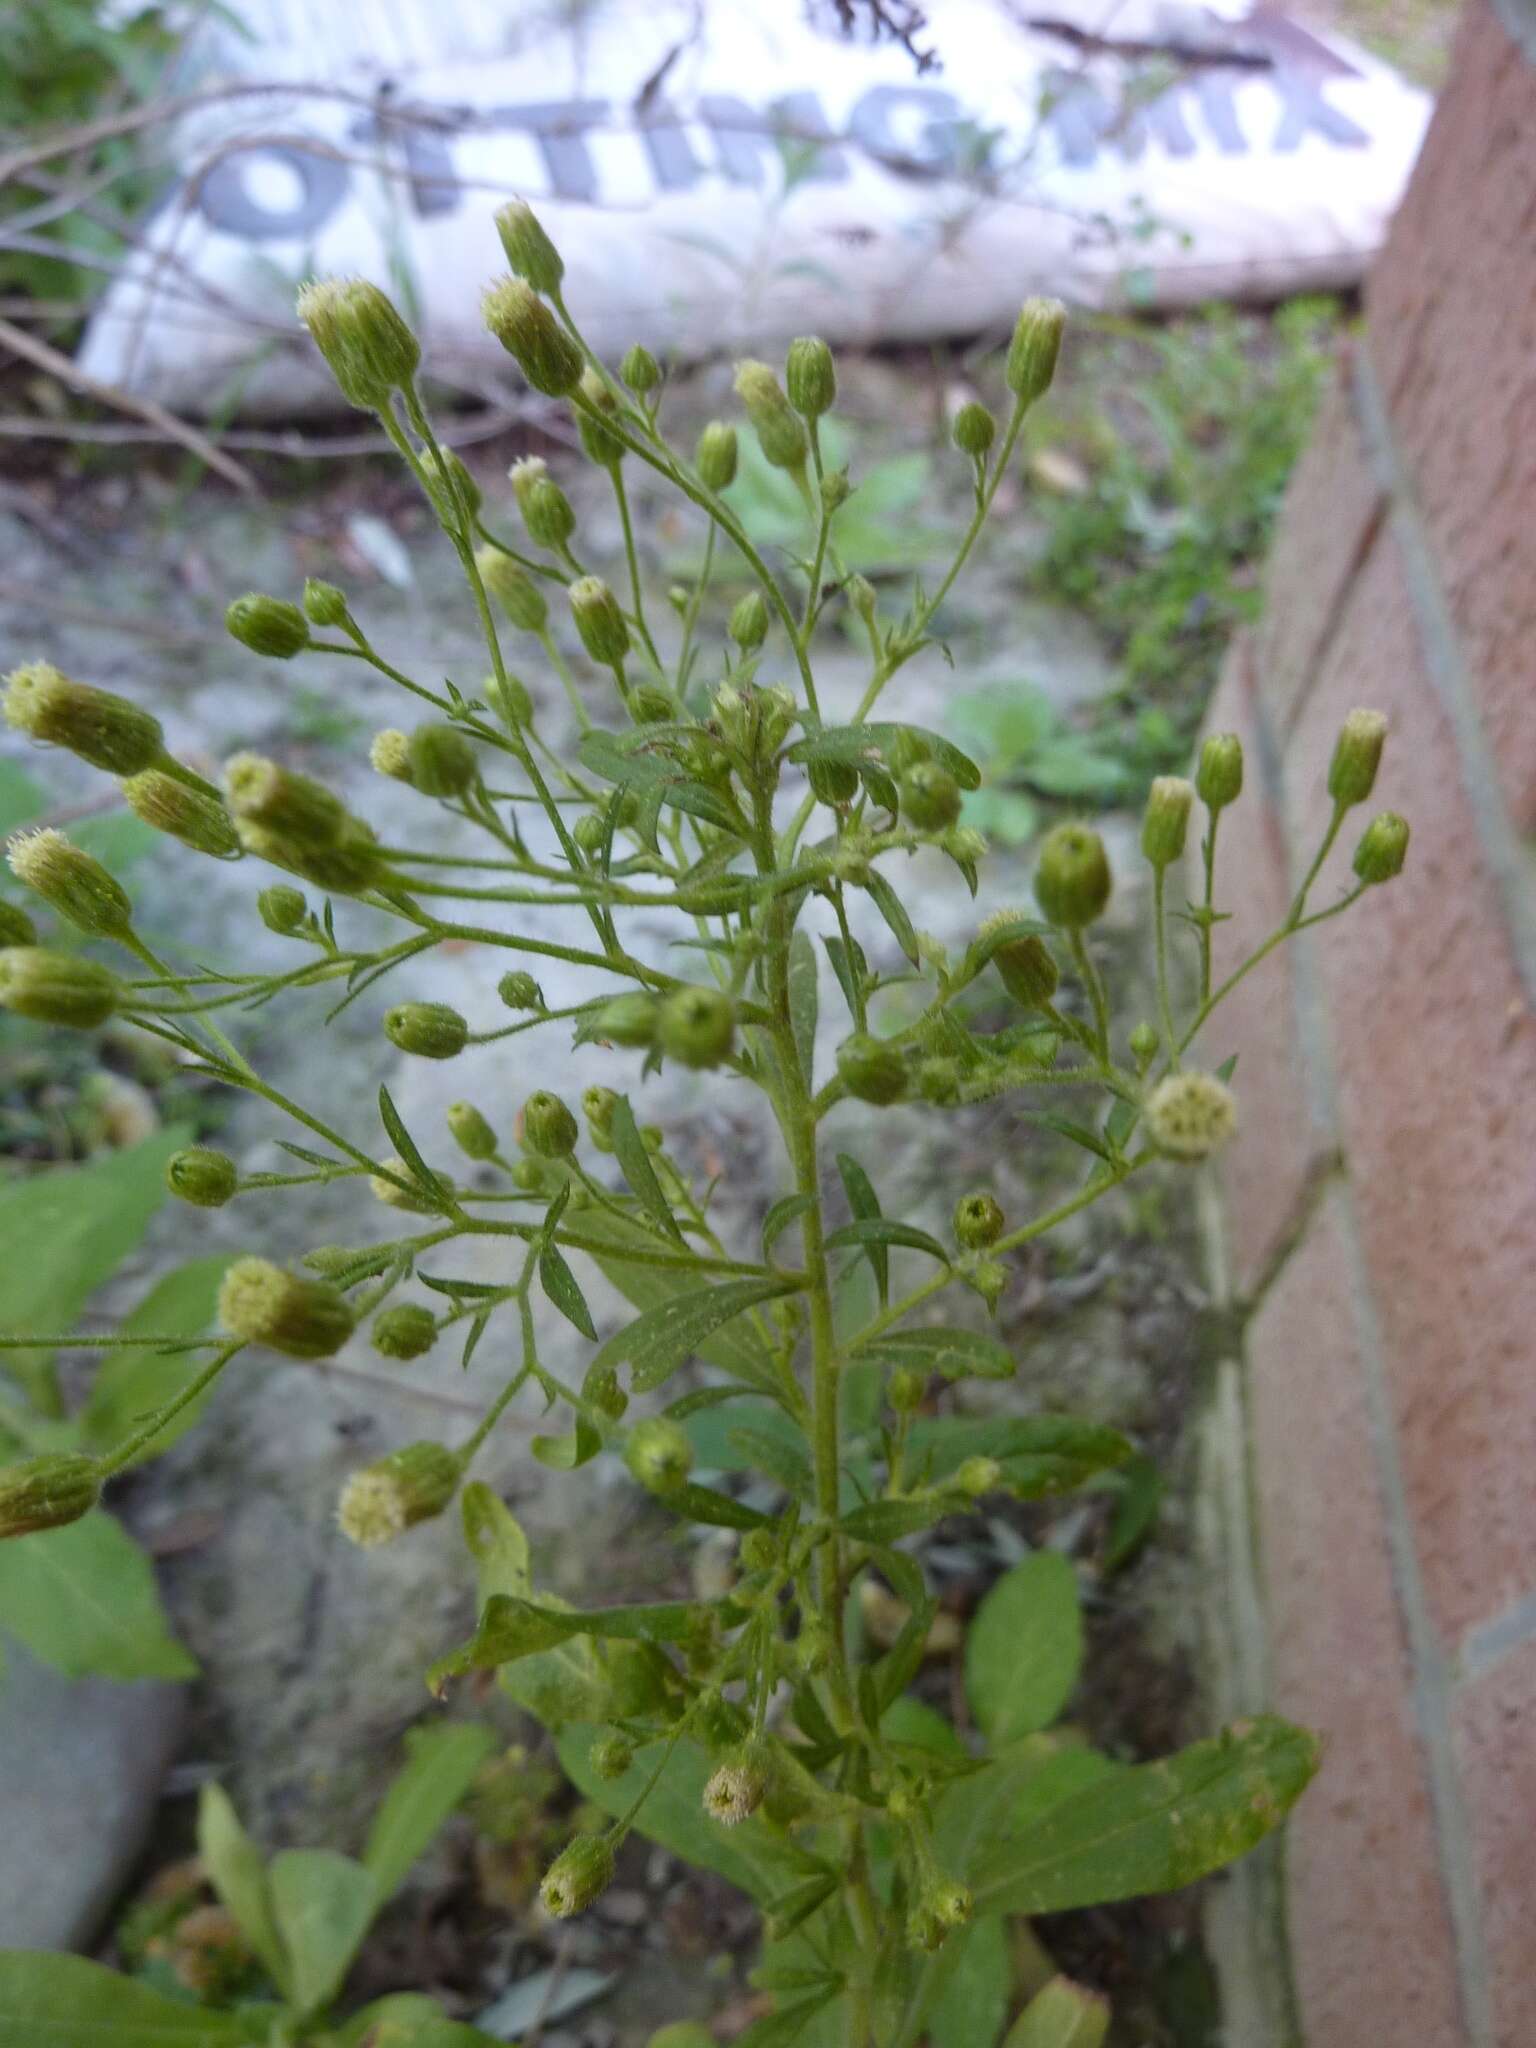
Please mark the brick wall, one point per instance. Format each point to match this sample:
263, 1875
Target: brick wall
1380, 1208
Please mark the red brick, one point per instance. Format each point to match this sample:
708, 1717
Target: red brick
1494, 1727
1331, 514
1453, 332
1370, 1935
1280, 1143
1435, 1056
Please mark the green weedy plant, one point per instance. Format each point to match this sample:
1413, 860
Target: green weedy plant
752, 1729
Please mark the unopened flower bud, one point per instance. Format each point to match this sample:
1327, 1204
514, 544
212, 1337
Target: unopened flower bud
977, 1477
367, 347
1190, 1115
1034, 348
979, 1221
529, 252
519, 991
511, 699
392, 1495
579, 1875
735, 1792
187, 814
432, 1031
72, 882
602, 1389
930, 797
810, 377
1063, 2015
549, 1129
262, 1304
598, 1106
640, 370
202, 1176
470, 1131
268, 625
1356, 757
1026, 965
48, 1492
715, 457
649, 704
1072, 882
748, 623
1383, 848
99, 726
836, 490
779, 432
660, 1455
590, 832
871, 1069
406, 1331
16, 928
863, 597
1144, 1042
400, 1189
628, 1020
965, 844
989, 1277
56, 988
529, 331
324, 603
905, 1389
1219, 777
443, 760
697, 1026
547, 514
610, 1757
599, 620
281, 909
389, 753
1165, 822
600, 443
974, 428
281, 801
513, 589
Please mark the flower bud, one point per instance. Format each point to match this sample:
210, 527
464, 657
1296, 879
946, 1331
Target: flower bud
281, 909
1026, 965
989, 1277
871, 1069
833, 782
262, 1304
268, 625
1356, 757
529, 252
280, 800
1063, 2015
529, 331
519, 991
510, 700
72, 882
974, 429
1190, 1115
367, 347
610, 1757
660, 1455
99, 726
715, 456
628, 1020
324, 604
735, 1792
432, 1031
202, 1176
1144, 1042
979, 1221
649, 704
47, 1492
411, 1197
169, 805
640, 370
836, 490
779, 432
406, 1331
1072, 882
598, 1106
579, 1875
697, 1026
16, 928
549, 1129
599, 620
602, 1389
1165, 822
590, 832
56, 988
546, 509
977, 1477
386, 1498
864, 598
810, 377
600, 443
748, 623
443, 760
513, 589
1219, 777
1034, 348
905, 1389
1383, 848
930, 797
389, 753
470, 1131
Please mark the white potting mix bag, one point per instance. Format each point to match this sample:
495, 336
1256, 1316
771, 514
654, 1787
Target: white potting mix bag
726, 172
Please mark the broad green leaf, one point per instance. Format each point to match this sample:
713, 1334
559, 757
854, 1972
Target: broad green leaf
885, 1230
802, 1000
956, 1354
865, 1204
1140, 1487
635, 1165
323, 1904
130, 1385
1063, 2015
659, 1341
854, 742
239, 1876
55, 2001
559, 1283
973, 2002
1042, 1454
84, 1600
511, 1628
1155, 1827
496, 1542
908, 1720
407, 2020
442, 1761
1024, 1648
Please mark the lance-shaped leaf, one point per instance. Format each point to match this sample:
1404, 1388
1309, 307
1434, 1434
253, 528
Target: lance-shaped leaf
53, 2001
856, 743
891, 908
658, 1342
443, 1759
656, 776
802, 1000
1041, 1454
635, 1165
956, 1354
511, 1628
865, 1204
885, 1230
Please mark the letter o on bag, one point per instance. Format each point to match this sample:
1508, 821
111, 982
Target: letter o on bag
271, 192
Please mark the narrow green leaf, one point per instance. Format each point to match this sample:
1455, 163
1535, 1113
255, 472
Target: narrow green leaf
736, 1348
957, 1354
559, 1283
780, 1457
511, 1628
972, 2007
405, 1146
784, 1212
1141, 1495
851, 969
323, 1904
495, 1541
803, 1000
898, 1667
635, 1165
780, 2029
238, 1873
1063, 2015
130, 1385
889, 905
885, 1230
84, 1600
442, 1762
716, 1510
1024, 1648
865, 1204
55, 2001
659, 1341
884, 1521
568, 1453
1042, 1454
855, 742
